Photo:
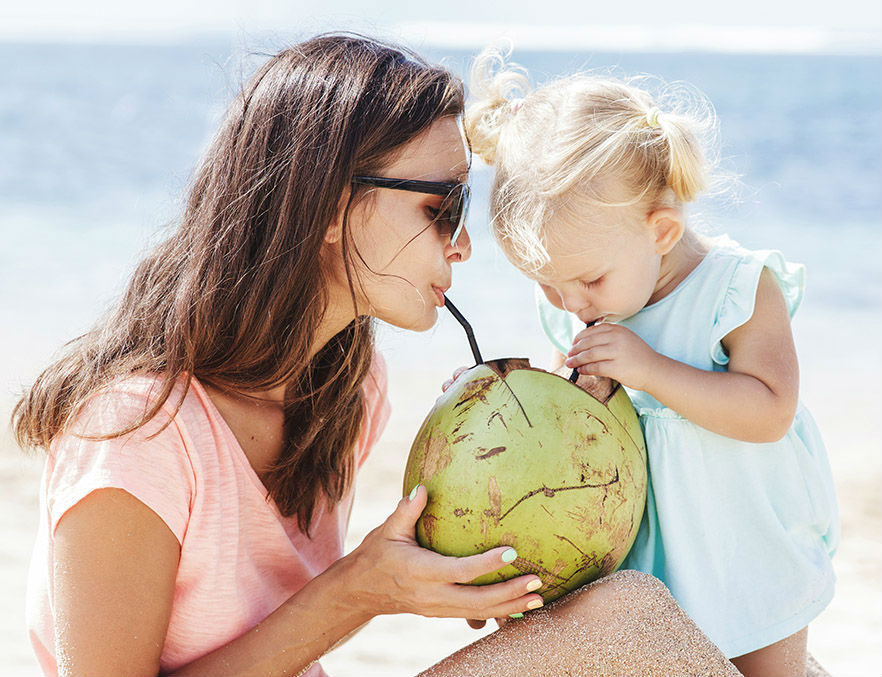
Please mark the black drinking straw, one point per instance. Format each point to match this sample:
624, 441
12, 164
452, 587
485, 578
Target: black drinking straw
575, 375
468, 329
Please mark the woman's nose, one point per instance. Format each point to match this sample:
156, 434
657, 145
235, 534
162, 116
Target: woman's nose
462, 250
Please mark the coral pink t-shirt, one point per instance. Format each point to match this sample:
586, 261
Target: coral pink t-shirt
240, 559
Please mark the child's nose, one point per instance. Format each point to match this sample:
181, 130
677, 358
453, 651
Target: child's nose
574, 300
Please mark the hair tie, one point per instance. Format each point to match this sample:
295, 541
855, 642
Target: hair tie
515, 105
652, 116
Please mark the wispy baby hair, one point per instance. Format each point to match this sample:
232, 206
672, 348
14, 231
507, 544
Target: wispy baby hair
580, 144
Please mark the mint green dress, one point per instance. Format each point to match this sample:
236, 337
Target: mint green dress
741, 533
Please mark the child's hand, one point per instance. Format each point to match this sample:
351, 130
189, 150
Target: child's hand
449, 382
614, 351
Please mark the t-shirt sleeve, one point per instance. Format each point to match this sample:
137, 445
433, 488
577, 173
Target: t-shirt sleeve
737, 304
151, 463
376, 408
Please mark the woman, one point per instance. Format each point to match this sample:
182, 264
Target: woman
204, 436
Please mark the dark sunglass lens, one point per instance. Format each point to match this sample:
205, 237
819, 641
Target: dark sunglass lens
461, 211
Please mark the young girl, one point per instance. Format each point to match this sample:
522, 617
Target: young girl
204, 437
592, 179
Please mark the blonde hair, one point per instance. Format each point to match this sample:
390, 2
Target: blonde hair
580, 142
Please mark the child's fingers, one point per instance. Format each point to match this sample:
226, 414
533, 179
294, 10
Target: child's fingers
456, 373
596, 369
586, 343
593, 363
593, 330
588, 355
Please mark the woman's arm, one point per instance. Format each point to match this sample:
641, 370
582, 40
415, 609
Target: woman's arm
115, 566
114, 574
754, 401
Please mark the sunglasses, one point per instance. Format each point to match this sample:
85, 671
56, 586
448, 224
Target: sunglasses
454, 208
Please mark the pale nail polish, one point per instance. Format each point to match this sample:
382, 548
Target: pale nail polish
509, 555
534, 603
534, 585
517, 615
413, 493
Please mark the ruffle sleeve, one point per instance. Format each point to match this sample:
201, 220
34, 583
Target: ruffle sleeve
556, 323
736, 306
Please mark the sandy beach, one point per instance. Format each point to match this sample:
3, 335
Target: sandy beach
845, 638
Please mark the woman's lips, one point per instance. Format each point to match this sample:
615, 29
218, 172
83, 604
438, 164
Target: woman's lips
439, 293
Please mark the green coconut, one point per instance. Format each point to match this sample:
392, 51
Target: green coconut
517, 456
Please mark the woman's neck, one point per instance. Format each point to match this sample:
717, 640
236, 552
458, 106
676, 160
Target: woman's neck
335, 319
256, 417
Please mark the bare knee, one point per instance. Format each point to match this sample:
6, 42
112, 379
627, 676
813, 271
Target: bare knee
631, 585
624, 594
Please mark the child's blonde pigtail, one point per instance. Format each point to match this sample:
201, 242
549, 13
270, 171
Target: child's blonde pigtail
496, 92
687, 166
587, 148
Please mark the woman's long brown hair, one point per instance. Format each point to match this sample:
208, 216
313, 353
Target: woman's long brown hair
234, 295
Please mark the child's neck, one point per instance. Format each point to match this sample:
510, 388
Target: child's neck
678, 263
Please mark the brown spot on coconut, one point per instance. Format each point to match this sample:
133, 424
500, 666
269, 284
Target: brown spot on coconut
437, 456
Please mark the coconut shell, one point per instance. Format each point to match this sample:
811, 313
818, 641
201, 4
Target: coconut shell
512, 455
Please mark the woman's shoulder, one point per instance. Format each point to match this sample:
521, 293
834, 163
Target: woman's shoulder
113, 442
376, 407
126, 401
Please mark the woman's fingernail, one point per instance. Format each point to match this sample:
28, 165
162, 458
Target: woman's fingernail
413, 493
534, 603
509, 555
535, 584
517, 615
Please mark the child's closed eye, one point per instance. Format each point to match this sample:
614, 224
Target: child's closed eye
591, 283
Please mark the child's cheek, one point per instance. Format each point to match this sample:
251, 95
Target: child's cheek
553, 297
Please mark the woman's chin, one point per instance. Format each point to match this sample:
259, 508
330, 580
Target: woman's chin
419, 322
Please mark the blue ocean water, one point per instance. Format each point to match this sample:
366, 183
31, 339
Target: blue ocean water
97, 143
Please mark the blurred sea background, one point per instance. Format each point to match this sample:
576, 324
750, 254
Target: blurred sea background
98, 142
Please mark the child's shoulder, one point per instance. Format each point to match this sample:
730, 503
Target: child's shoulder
743, 268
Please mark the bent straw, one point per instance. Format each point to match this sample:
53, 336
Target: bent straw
575, 375
468, 329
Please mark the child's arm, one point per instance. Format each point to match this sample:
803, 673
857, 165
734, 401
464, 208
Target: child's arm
754, 401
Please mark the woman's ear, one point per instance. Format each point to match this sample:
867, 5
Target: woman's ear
335, 230
667, 228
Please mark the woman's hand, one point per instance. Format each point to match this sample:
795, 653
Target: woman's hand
478, 624
613, 351
391, 573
